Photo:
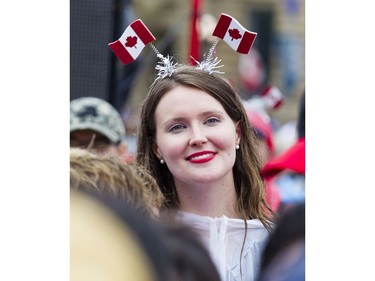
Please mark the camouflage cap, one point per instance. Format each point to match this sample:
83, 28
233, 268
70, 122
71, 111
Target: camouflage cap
89, 113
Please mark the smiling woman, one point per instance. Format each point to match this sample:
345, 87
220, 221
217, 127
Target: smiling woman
189, 138
196, 141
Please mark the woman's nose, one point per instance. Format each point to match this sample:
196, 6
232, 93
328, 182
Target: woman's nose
198, 136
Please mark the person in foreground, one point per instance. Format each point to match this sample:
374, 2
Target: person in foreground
195, 139
111, 240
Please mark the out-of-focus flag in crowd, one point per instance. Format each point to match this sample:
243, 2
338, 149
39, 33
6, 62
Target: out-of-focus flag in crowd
232, 32
135, 37
194, 40
272, 97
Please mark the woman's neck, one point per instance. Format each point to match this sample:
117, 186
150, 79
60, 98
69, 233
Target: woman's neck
212, 200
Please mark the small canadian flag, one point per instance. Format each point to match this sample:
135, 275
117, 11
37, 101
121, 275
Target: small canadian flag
272, 97
135, 37
232, 32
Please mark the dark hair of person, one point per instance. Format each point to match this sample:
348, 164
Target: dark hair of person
290, 228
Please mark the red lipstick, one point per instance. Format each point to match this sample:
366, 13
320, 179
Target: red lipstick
201, 157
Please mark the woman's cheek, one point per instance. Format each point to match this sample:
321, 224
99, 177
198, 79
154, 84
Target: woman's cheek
223, 141
171, 146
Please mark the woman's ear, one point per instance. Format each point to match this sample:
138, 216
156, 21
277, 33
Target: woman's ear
238, 132
156, 151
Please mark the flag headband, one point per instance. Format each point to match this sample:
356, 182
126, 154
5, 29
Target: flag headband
136, 36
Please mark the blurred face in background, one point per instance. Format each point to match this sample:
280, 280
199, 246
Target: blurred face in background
89, 139
263, 151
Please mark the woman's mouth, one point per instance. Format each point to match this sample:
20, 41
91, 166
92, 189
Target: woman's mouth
201, 157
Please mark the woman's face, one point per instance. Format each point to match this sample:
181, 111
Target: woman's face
195, 137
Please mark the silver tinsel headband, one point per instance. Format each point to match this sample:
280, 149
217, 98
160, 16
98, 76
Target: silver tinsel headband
166, 66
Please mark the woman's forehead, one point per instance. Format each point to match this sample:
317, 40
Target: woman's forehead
188, 98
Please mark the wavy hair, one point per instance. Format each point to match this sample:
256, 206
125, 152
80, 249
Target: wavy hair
109, 176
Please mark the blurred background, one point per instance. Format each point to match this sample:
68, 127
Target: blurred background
277, 57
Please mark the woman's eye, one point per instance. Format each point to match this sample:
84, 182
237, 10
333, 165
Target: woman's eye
177, 127
212, 120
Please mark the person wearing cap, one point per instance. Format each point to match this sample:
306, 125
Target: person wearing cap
97, 125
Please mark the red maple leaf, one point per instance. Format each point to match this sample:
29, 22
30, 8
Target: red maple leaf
234, 33
131, 41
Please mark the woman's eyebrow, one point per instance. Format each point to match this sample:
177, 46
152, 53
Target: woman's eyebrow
211, 112
173, 120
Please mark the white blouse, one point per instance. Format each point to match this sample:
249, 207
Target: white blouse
223, 237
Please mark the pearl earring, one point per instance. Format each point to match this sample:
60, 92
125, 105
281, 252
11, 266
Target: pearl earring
237, 146
162, 161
